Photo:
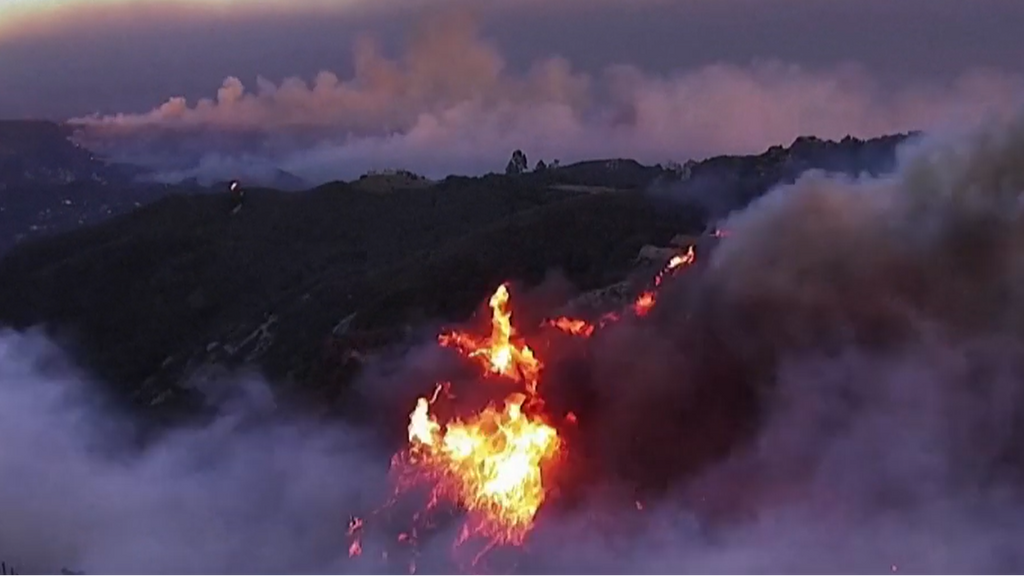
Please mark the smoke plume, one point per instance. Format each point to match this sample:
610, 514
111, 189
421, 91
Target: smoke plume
838, 387
451, 104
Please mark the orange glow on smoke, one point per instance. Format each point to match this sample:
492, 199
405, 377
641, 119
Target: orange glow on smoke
491, 464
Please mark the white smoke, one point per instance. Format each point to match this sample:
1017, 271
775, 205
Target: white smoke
451, 104
248, 492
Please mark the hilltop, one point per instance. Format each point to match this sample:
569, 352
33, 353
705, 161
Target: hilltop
51, 184
295, 281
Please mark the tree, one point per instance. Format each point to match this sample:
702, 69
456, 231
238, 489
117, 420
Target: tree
541, 166
518, 164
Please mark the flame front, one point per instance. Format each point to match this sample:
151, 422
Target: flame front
573, 326
646, 301
492, 463
500, 353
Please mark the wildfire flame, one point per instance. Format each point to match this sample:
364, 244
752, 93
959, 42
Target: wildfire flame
646, 301
641, 306
572, 326
492, 463
501, 352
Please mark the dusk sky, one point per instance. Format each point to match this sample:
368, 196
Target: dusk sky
765, 71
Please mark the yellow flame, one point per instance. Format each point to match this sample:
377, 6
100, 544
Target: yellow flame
491, 464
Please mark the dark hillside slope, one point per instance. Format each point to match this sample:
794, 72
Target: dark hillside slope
176, 285
50, 184
143, 286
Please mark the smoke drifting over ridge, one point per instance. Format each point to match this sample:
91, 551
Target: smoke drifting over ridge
450, 104
874, 325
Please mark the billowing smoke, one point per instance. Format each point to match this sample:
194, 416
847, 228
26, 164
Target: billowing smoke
249, 492
838, 387
451, 104
841, 387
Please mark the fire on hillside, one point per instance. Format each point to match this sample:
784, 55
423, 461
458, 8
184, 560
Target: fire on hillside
492, 469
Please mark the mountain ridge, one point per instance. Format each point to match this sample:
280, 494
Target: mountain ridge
158, 293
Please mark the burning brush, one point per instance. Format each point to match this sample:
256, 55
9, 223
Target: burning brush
494, 465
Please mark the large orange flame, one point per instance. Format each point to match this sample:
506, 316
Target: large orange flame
492, 463
646, 301
501, 352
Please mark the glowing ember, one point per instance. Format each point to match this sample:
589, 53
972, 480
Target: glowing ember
646, 301
682, 259
572, 326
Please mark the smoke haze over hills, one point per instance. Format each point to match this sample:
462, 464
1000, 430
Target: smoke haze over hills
453, 104
873, 322
834, 384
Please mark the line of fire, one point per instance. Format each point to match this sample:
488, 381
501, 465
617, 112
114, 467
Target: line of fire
484, 457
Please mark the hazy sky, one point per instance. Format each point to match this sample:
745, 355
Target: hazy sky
330, 88
116, 56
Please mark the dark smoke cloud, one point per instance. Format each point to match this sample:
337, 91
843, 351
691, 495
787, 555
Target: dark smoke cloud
450, 104
837, 388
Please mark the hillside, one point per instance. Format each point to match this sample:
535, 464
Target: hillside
50, 184
164, 290
42, 152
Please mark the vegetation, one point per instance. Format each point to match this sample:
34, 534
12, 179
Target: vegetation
146, 296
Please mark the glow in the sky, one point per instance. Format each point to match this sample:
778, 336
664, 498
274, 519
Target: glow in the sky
27, 17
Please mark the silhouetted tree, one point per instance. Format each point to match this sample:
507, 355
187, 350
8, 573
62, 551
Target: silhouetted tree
518, 164
541, 166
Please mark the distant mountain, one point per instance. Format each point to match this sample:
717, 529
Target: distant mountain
49, 184
294, 282
39, 152
187, 156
